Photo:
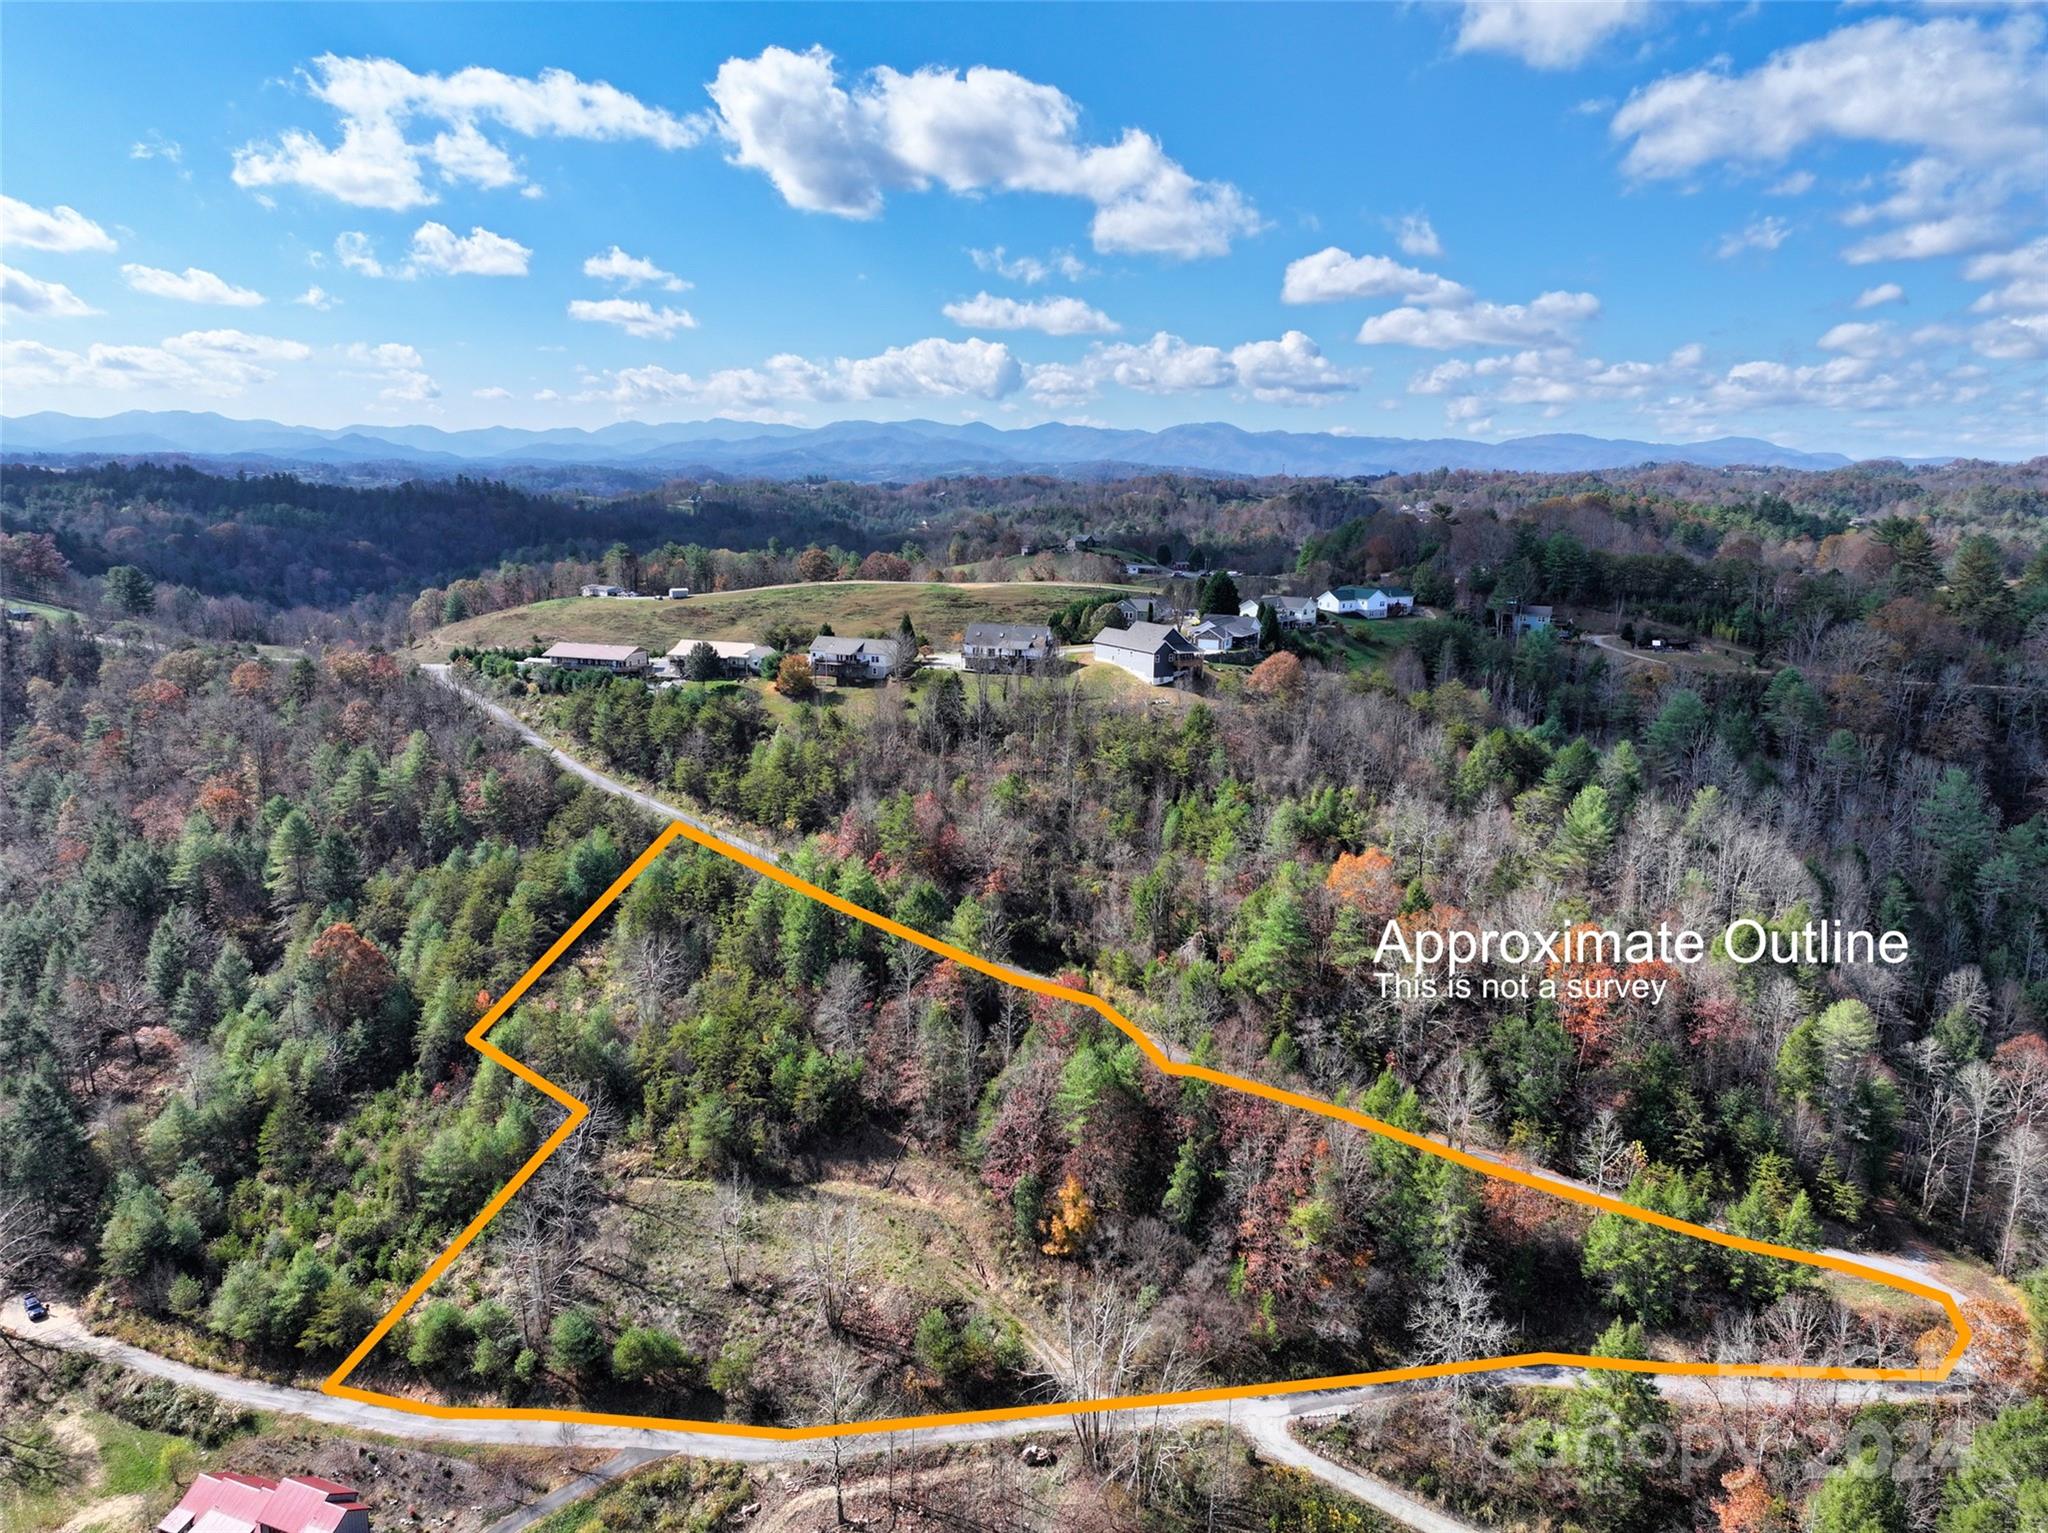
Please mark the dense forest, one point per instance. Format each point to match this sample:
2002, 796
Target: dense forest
249, 907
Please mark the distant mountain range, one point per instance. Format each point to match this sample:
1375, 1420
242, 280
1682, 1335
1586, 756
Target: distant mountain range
864, 450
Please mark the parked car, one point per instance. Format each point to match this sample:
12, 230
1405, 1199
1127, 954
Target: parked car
36, 1310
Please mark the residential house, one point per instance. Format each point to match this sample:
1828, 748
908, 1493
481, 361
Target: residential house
736, 657
1288, 611
841, 660
1080, 543
250, 1503
1149, 651
1366, 601
1218, 632
1528, 618
1005, 646
604, 590
1147, 609
621, 659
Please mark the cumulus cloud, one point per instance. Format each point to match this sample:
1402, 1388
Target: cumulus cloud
401, 133
492, 392
214, 362
437, 250
1883, 293
1545, 34
1416, 236
61, 229
398, 369
1548, 317
192, 285
1888, 80
480, 253
1796, 184
1332, 274
1030, 270
316, 297
633, 315
1858, 338
1291, 370
1053, 316
831, 148
25, 295
927, 369
629, 272
1766, 233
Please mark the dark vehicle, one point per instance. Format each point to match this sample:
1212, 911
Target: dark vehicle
35, 1308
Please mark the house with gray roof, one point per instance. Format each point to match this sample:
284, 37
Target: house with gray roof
1214, 633
1005, 646
1288, 611
839, 660
1152, 652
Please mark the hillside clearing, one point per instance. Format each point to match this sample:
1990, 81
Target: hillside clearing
940, 612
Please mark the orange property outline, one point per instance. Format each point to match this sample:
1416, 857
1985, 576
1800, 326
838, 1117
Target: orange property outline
576, 1111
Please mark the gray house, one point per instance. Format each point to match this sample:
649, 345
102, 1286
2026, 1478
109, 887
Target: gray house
1147, 609
1215, 632
1151, 652
1005, 646
841, 660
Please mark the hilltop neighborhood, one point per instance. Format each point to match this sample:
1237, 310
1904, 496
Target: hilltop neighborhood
1147, 635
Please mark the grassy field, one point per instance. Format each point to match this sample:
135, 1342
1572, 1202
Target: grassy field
851, 607
1368, 644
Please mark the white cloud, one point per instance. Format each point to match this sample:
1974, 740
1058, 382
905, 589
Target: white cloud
1858, 338
831, 149
1797, 184
1291, 370
214, 362
379, 163
398, 369
317, 297
1417, 237
1766, 233
2023, 275
927, 369
480, 253
490, 393
1031, 270
632, 315
437, 250
1883, 293
1545, 318
1332, 274
1546, 34
355, 252
1887, 80
156, 147
1054, 316
22, 294
192, 285
630, 271
2014, 338
61, 229
1950, 235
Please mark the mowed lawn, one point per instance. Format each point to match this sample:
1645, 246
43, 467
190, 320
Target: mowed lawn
851, 607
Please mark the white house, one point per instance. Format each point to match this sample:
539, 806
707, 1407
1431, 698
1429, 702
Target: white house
835, 659
1366, 601
1288, 611
736, 657
604, 590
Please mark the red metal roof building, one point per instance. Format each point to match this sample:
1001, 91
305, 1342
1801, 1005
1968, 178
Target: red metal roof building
248, 1503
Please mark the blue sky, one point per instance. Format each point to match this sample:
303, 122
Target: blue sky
1822, 225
